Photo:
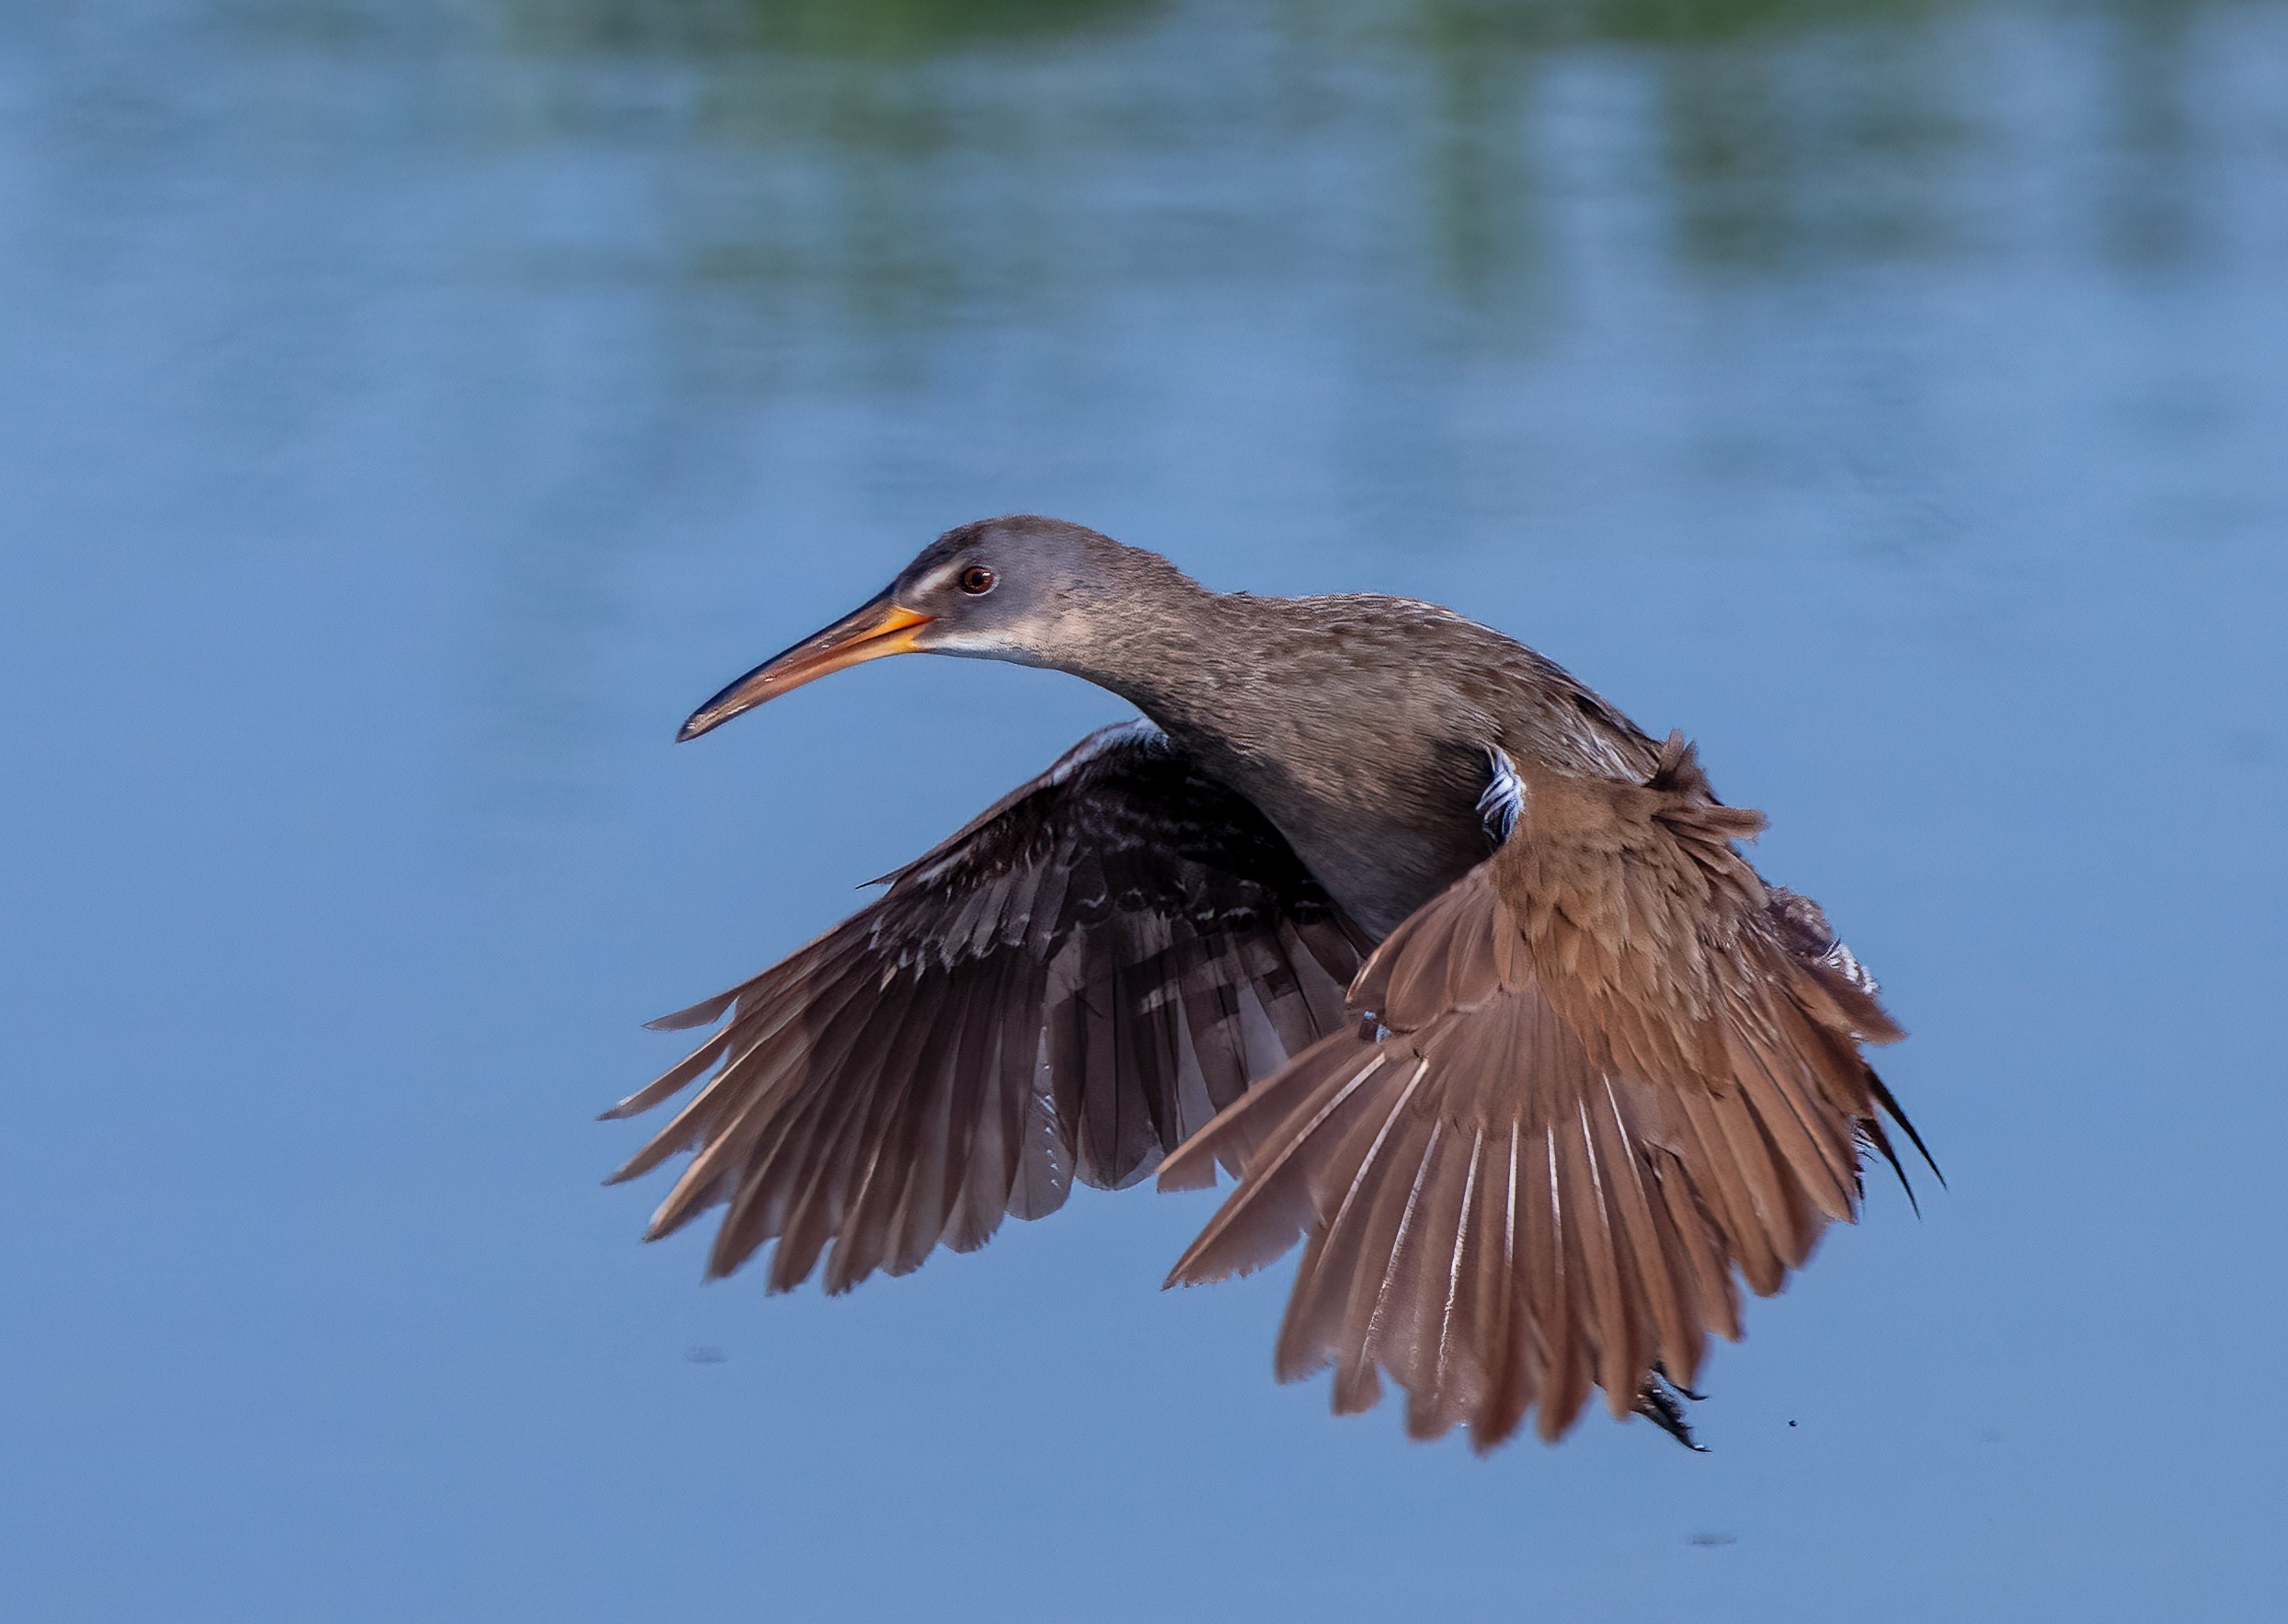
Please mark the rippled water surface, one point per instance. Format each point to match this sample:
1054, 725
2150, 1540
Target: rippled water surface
410, 410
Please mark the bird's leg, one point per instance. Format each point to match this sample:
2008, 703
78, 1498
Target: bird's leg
1657, 1402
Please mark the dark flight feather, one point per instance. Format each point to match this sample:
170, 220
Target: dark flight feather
1067, 987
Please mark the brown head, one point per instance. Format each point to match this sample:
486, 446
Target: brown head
1030, 591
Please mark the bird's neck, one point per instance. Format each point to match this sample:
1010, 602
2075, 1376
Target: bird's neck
1184, 664
1264, 696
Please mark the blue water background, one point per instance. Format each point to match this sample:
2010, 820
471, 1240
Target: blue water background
408, 411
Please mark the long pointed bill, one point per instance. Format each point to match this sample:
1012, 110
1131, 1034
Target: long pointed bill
880, 627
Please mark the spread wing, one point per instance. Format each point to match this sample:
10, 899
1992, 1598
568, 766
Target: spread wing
1604, 1073
1066, 988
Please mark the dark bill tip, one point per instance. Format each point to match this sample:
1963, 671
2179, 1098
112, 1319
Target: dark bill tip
877, 629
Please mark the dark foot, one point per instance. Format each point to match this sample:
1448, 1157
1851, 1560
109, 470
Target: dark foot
1658, 1404
1676, 1386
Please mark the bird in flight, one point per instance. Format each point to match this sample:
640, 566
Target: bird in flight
1456, 972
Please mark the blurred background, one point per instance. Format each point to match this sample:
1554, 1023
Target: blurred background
409, 411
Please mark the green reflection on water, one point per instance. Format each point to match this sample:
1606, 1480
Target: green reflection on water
879, 28
1484, 24
897, 166
906, 28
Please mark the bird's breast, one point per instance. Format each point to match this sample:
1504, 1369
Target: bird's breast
1382, 836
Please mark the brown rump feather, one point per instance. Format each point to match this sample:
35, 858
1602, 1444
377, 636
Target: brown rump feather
1602, 1076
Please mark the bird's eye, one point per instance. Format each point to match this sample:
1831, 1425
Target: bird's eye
976, 580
